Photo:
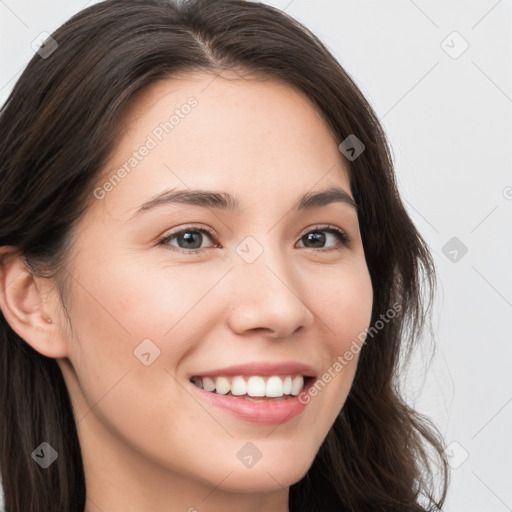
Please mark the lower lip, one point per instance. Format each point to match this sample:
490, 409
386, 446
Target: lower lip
268, 412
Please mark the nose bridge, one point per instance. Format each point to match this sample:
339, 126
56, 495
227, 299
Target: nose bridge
263, 264
266, 294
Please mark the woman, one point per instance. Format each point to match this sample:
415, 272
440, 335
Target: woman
208, 277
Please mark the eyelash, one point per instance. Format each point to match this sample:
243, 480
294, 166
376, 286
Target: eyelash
342, 236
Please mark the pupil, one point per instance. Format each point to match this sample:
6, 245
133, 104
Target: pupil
316, 237
188, 237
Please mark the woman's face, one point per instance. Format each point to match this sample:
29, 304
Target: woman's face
147, 316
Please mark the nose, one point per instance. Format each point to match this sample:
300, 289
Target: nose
266, 296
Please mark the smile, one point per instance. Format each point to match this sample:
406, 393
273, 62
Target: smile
273, 386
252, 402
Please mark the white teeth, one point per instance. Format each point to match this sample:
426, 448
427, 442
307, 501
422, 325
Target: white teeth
208, 384
238, 386
272, 387
287, 386
297, 385
222, 385
256, 386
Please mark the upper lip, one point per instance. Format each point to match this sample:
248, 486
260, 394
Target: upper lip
261, 368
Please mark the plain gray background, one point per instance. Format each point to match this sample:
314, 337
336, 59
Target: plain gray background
447, 111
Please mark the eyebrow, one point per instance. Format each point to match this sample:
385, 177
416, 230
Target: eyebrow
225, 201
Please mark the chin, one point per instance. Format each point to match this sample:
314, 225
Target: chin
268, 477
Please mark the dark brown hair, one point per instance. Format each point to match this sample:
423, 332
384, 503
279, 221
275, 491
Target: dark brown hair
57, 128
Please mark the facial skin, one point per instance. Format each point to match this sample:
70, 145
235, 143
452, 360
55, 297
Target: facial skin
147, 444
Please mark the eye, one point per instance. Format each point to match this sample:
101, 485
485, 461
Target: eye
188, 239
317, 237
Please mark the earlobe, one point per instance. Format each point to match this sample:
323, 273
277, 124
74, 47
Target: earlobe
23, 305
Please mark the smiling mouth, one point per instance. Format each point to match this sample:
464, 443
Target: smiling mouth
254, 388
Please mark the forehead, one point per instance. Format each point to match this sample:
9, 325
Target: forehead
222, 132
256, 102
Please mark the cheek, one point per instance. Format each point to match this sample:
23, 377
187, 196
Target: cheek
113, 317
343, 302
127, 317
163, 300
344, 313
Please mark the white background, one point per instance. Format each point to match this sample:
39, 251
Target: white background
449, 124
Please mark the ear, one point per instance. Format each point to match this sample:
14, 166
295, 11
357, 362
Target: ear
25, 303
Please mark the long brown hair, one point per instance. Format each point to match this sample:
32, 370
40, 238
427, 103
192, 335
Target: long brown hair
57, 128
